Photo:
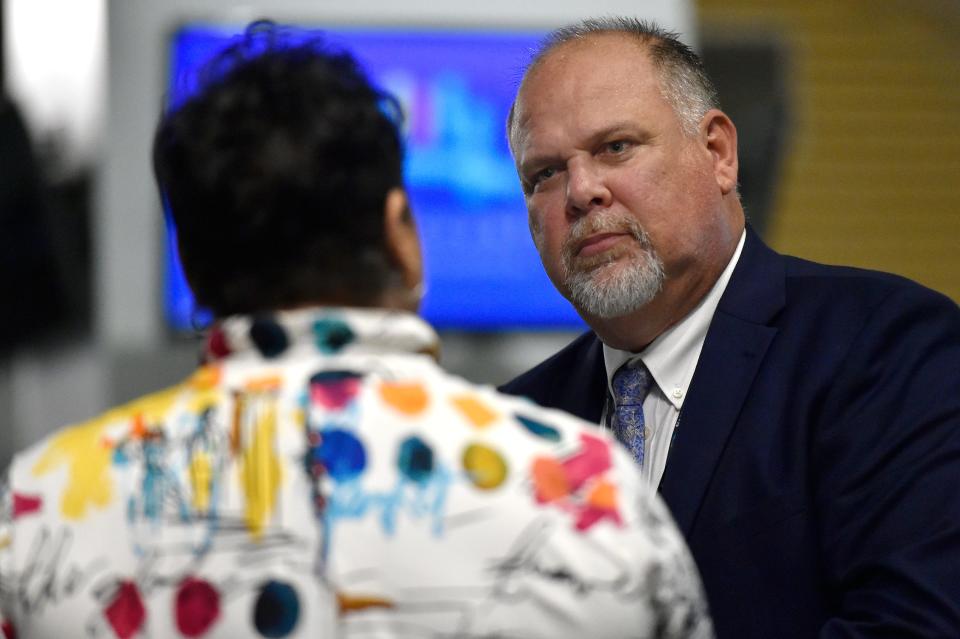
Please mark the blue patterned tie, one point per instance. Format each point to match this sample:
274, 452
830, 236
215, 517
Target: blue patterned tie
630, 384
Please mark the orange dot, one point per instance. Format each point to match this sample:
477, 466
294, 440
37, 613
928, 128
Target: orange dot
603, 495
409, 399
475, 411
485, 467
139, 428
265, 384
549, 479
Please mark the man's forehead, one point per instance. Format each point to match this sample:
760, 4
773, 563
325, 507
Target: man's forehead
594, 68
619, 56
594, 48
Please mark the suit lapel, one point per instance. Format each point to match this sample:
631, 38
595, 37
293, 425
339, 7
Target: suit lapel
736, 342
585, 390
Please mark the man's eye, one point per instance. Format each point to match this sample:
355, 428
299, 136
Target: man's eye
540, 176
545, 174
617, 146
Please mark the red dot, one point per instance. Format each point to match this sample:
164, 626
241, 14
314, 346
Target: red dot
126, 613
26, 504
217, 343
197, 607
8, 631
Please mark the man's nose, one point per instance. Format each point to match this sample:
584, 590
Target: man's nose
586, 188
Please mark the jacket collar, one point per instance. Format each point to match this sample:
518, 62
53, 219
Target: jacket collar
324, 330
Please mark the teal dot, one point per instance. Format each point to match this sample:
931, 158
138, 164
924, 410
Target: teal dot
415, 460
332, 335
539, 428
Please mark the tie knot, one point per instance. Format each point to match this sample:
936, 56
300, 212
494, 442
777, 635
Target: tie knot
631, 383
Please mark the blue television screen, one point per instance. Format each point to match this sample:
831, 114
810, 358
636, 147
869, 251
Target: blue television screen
482, 271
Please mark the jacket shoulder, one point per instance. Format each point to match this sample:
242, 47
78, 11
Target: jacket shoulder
846, 286
573, 380
556, 367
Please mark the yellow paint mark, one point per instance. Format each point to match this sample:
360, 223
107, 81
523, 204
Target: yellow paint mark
298, 416
485, 467
204, 384
5, 542
355, 603
259, 463
407, 398
475, 411
86, 451
81, 450
206, 377
201, 475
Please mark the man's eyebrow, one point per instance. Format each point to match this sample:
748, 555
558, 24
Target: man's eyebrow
627, 128
624, 127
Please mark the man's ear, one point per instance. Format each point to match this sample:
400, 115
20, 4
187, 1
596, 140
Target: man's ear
721, 139
400, 235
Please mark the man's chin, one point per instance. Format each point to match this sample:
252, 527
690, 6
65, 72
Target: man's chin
604, 304
607, 313
611, 290
599, 262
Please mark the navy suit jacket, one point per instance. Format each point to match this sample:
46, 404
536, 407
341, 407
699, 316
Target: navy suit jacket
816, 467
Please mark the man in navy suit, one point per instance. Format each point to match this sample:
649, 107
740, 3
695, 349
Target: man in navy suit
801, 421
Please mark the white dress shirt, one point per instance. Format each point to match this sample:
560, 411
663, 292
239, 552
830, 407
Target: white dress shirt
671, 359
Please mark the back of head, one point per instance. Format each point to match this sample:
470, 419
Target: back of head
275, 173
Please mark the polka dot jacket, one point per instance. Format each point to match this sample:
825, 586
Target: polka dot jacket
320, 476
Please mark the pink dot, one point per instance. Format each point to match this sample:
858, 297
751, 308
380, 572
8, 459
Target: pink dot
197, 606
126, 613
334, 394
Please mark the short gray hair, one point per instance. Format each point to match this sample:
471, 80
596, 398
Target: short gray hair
683, 80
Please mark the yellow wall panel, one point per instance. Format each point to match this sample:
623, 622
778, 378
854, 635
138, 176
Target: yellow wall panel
871, 175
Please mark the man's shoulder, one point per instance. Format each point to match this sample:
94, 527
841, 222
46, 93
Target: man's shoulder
556, 367
767, 282
574, 379
860, 288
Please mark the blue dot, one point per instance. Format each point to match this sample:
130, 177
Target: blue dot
415, 460
277, 610
539, 429
341, 453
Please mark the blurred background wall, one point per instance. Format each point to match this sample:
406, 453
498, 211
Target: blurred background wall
846, 109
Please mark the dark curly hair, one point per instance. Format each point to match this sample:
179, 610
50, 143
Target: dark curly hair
275, 173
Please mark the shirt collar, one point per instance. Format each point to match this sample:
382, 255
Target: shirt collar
672, 357
329, 331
